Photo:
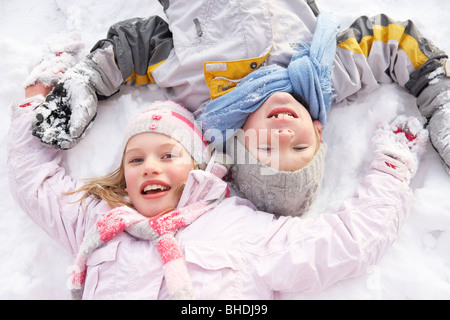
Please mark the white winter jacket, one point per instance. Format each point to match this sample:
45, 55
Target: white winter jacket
233, 251
201, 49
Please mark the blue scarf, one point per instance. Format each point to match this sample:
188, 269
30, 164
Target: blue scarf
308, 75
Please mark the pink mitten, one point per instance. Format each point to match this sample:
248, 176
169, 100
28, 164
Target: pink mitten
403, 139
60, 52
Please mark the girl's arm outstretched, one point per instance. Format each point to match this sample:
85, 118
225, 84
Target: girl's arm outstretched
39, 184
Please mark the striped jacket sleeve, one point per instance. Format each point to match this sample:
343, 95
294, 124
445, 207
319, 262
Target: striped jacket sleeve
381, 50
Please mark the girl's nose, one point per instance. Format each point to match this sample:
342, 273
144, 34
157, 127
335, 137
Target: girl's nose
152, 167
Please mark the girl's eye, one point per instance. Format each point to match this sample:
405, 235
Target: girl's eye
299, 148
136, 160
266, 149
175, 152
168, 156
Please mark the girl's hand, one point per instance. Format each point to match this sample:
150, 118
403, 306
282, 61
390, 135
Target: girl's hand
403, 139
36, 89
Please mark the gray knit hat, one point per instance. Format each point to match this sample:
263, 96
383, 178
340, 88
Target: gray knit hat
175, 121
282, 193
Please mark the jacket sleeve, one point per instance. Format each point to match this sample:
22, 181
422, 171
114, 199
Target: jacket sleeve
381, 50
140, 46
38, 183
306, 254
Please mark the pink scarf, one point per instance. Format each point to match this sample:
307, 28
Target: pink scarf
160, 230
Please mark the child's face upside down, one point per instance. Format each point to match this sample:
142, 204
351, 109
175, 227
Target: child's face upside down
282, 134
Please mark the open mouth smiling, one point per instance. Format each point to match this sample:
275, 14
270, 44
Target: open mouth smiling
150, 188
154, 188
282, 113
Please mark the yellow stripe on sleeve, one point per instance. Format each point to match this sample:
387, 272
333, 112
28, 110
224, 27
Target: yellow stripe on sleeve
146, 78
384, 34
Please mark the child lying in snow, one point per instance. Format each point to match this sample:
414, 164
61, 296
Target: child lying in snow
203, 55
146, 50
279, 156
194, 242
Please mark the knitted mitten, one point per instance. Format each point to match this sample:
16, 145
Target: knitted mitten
60, 52
403, 139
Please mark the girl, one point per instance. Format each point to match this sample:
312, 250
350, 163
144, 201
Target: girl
132, 244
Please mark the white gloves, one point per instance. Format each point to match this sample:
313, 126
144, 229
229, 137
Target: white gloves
403, 139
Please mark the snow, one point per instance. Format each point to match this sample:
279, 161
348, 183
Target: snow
417, 266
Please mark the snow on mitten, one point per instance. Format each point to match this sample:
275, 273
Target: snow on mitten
67, 111
60, 52
403, 139
70, 108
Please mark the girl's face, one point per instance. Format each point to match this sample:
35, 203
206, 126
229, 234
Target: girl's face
281, 133
156, 168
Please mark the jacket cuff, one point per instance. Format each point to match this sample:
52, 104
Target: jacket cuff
27, 104
391, 166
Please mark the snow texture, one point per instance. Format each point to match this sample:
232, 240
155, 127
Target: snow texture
417, 266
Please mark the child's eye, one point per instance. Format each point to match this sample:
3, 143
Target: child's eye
168, 156
299, 148
136, 160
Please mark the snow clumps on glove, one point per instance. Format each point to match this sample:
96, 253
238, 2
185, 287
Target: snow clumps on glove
403, 139
68, 110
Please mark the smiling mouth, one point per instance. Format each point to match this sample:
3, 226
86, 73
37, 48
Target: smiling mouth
154, 189
282, 113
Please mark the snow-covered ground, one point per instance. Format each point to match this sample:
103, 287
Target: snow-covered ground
33, 266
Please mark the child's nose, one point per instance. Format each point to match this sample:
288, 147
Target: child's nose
284, 135
152, 166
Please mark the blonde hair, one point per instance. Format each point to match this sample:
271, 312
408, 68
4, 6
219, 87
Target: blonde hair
110, 188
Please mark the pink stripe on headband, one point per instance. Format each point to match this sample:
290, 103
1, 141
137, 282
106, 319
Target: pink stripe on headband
191, 125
